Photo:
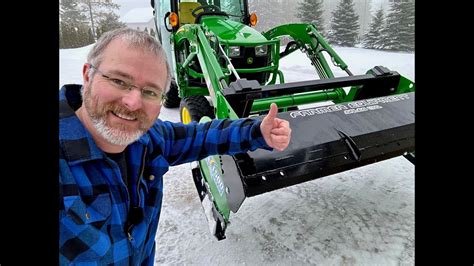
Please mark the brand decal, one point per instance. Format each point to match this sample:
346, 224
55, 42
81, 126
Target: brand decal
352, 107
215, 174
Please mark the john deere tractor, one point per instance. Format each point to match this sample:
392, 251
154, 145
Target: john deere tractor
224, 68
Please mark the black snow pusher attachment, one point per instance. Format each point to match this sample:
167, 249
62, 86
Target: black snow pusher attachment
326, 139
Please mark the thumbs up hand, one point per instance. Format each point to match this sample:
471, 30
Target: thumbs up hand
275, 131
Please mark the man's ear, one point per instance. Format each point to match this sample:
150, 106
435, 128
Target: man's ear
85, 73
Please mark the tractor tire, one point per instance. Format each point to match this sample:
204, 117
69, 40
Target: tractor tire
193, 108
172, 97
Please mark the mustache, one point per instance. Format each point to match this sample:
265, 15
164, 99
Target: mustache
119, 109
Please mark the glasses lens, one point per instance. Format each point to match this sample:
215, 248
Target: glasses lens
152, 94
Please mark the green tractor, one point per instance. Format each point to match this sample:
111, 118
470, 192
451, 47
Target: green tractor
224, 68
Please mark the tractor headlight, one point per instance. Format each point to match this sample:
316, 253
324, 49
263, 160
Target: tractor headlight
261, 50
212, 39
234, 51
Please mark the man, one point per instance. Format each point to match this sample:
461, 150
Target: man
114, 151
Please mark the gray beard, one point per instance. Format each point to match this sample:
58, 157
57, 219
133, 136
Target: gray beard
115, 136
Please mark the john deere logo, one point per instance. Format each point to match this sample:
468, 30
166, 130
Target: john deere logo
250, 60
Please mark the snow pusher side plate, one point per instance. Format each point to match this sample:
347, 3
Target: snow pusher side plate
331, 139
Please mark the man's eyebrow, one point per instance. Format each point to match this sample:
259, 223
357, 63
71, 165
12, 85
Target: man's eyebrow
130, 78
122, 74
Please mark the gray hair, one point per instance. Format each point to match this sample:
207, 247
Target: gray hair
136, 39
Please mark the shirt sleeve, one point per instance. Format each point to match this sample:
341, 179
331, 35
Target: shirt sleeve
180, 143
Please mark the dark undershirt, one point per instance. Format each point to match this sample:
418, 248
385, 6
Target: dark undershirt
121, 161
135, 215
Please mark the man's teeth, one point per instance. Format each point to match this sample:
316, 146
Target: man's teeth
126, 117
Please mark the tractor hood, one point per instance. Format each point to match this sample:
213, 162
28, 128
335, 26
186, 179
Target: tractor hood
231, 32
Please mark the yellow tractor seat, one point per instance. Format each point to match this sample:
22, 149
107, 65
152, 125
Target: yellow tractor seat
185, 15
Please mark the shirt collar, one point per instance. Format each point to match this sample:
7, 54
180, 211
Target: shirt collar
75, 141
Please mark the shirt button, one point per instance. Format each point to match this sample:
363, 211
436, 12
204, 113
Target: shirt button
88, 216
151, 177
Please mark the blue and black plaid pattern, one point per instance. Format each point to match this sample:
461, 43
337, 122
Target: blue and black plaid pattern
95, 202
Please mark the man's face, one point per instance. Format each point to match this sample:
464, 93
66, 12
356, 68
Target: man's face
121, 116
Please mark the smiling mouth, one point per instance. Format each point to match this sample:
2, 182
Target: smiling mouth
124, 117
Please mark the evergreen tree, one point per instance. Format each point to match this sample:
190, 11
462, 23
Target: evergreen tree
70, 13
75, 36
71, 22
61, 40
344, 25
152, 32
90, 36
311, 11
399, 32
373, 38
65, 36
408, 38
109, 22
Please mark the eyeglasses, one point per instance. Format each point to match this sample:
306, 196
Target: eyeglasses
148, 93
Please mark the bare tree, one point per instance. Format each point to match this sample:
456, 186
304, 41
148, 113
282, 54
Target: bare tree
97, 10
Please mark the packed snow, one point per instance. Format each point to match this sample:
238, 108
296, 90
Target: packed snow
364, 216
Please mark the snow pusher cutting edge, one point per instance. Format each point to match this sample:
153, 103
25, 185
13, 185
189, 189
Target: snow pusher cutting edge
224, 68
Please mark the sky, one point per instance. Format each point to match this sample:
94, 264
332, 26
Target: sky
363, 216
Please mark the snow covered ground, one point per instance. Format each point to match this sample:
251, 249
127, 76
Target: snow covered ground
364, 216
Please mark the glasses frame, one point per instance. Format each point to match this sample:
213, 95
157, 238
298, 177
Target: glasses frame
125, 86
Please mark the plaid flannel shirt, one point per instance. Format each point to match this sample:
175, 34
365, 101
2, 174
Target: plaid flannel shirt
94, 200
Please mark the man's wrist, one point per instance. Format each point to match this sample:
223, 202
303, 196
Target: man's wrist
257, 137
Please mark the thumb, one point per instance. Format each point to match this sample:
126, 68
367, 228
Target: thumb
268, 123
272, 113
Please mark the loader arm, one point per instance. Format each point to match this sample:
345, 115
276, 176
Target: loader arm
211, 71
310, 41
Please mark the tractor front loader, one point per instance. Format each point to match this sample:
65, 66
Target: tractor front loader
224, 68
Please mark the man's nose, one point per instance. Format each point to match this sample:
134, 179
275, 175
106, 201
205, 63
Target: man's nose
133, 99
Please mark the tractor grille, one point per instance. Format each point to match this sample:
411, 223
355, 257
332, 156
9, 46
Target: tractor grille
247, 59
